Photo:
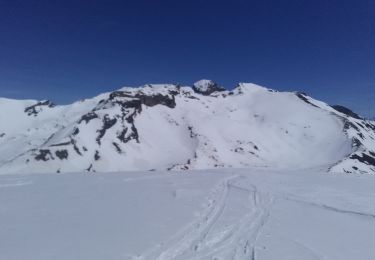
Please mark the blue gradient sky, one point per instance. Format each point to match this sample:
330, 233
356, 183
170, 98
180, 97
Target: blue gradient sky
67, 50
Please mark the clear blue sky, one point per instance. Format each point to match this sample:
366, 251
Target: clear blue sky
67, 50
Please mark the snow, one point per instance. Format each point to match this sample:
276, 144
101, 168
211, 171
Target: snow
253, 213
177, 127
204, 84
249, 126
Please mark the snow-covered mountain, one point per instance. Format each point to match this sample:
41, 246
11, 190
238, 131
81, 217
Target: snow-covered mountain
156, 127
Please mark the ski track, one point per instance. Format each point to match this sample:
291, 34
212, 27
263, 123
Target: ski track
314, 253
207, 238
14, 182
332, 208
145, 178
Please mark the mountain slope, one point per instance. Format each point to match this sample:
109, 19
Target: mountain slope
174, 127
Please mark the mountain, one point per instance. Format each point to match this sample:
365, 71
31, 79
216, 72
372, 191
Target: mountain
165, 126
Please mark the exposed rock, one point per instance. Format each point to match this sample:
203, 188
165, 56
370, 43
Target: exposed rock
365, 158
107, 123
349, 125
116, 145
44, 155
96, 156
191, 131
38, 107
136, 100
123, 137
88, 117
75, 131
61, 144
89, 169
303, 97
75, 147
206, 87
346, 111
62, 154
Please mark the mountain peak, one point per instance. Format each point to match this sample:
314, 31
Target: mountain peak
251, 88
206, 87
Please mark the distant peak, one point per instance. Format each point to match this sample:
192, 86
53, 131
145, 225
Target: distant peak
250, 87
206, 87
346, 111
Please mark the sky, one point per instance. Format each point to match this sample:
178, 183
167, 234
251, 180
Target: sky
69, 50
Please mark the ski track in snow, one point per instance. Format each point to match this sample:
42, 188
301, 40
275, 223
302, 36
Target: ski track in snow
14, 182
332, 208
243, 215
207, 239
145, 178
314, 253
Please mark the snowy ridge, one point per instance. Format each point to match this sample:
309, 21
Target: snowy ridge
166, 126
362, 134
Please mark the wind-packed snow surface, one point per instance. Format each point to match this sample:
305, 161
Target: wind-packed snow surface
222, 214
159, 127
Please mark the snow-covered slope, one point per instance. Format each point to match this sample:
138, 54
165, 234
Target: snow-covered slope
174, 127
212, 214
361, 132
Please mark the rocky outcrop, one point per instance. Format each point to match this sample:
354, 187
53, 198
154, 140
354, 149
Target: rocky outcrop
206, 87
34, 110
346, 111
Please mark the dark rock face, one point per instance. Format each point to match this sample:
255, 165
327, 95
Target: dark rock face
89, 169
116, 145
88, 117
75, 147
75, 131
346, 111
62, 154
35, 109
44, 155
123, 137
131, 105
359, 132
303, 97
107, 123
61, 144
370, 125
136, 100
2, 135
206, 87
71, 142
96, 156
365, 158
159, 99
360, 129
349, 125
